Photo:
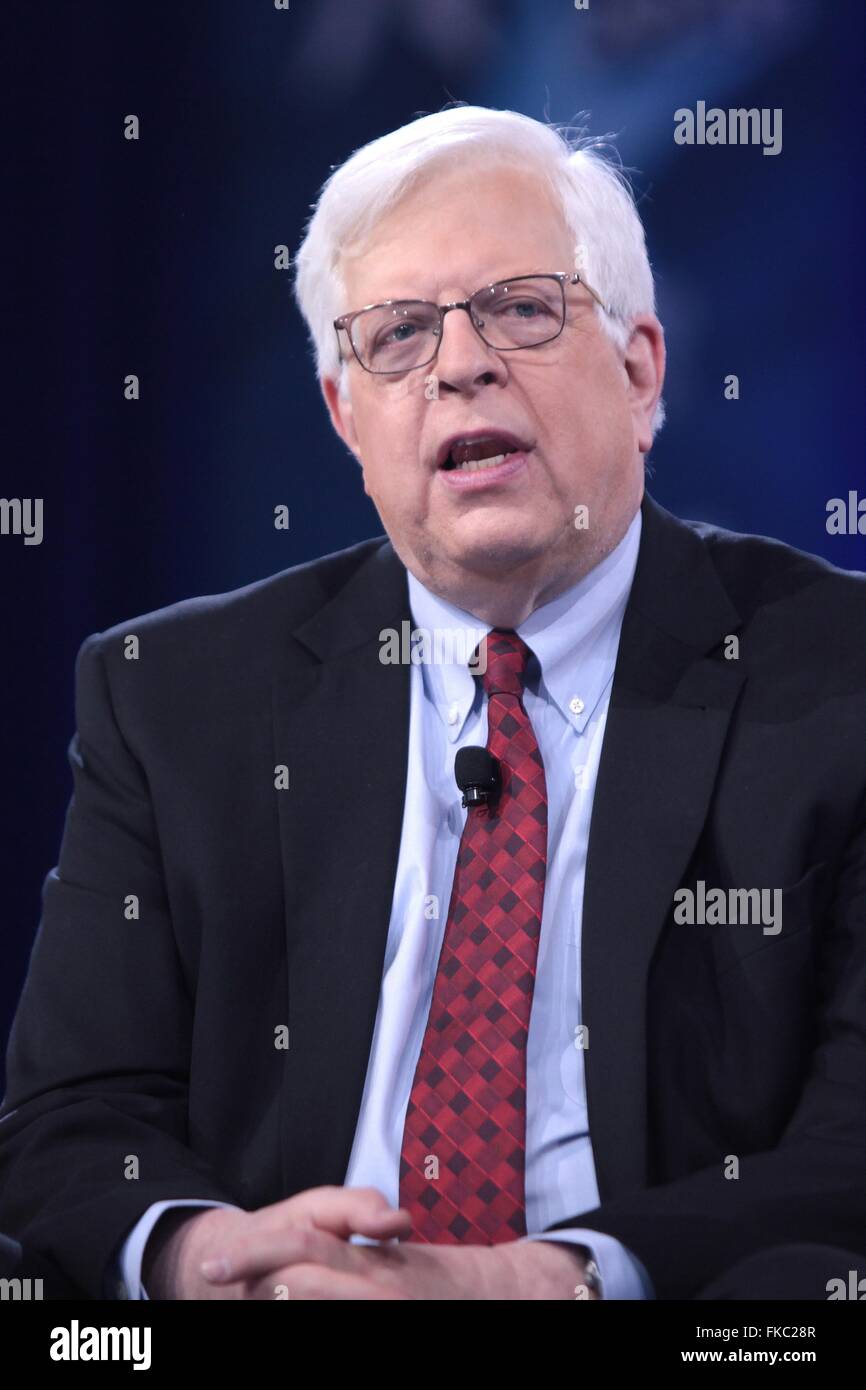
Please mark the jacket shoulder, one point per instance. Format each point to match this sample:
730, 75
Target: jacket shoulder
758, 570
276, 604
798, 609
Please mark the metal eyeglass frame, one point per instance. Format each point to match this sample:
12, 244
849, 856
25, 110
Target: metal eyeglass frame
564, 277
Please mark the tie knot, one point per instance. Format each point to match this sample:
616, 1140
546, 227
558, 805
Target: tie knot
507, 656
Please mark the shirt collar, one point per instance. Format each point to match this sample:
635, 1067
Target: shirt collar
574, 639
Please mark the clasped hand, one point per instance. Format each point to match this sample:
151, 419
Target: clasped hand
300, 1248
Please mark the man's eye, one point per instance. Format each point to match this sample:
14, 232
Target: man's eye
524, 308
398, 333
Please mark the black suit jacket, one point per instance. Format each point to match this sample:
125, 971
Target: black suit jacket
142, 1063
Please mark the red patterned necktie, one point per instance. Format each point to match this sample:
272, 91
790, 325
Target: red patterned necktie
462, 1161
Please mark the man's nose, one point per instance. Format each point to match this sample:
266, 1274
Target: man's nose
464, 358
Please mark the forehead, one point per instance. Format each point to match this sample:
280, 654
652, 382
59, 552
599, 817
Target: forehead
461, 228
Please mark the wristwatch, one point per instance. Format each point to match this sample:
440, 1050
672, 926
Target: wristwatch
592, 1278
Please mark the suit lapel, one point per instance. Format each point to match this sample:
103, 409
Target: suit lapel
670, 708
341, 726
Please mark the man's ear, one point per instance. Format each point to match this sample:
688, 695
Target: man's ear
342, 416
644, 363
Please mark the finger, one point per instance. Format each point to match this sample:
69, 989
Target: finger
311, 1281
347, 1211
258, 1247
384, 1225
255, 1254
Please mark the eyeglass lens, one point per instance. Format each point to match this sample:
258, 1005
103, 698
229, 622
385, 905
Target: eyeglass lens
512, 314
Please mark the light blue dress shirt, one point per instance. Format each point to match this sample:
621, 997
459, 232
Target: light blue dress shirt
574, 641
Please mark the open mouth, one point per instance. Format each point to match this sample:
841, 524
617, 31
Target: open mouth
478, 455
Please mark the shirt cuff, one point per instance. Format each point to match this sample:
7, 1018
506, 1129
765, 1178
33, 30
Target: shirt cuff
125, 1276
622, 1274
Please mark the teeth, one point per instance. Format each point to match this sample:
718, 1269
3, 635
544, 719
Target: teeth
473, 465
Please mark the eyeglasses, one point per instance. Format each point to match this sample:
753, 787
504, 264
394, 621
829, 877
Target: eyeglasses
399, 335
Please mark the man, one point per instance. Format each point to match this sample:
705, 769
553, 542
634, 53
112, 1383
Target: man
291, 1000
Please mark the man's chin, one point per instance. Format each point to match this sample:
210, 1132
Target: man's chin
495, 555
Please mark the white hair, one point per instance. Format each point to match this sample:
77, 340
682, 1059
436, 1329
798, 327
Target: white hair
592, 190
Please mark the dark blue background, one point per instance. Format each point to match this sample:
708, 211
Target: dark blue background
156, 257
